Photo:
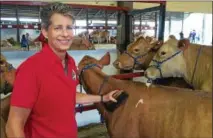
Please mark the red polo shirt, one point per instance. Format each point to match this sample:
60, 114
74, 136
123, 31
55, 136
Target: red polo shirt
42, 85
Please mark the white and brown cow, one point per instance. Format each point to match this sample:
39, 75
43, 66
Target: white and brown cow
183, 59
100, 36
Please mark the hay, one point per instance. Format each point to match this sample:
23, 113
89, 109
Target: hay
93, 131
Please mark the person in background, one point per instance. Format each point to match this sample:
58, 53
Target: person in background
44, 94
181, 35
193, 35
24, 42
28, 41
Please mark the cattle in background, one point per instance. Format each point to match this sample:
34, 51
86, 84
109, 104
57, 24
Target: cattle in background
81, 43
100, 36
154, 112
5, 43
84, 34
137, 35
181, 58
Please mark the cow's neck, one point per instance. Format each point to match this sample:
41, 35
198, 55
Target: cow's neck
145, 61
93, 83
149, 58
190, 56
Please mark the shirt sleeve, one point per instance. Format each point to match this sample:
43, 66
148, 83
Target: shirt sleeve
25, 90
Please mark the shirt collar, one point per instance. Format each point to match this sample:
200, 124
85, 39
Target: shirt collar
51, 56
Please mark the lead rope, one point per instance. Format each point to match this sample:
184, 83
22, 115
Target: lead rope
80, 106
198, 55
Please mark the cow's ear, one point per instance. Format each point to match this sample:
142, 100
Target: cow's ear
105, 60
183, 44
156, 45
148, 39
172, 37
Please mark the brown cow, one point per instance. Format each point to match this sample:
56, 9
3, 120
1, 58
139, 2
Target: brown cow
5, 43
100, 36
143, 49
7, 75
154, 112
81, 43
176, 58
5, 107
7, 79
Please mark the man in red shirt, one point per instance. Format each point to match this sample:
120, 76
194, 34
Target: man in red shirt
44, 93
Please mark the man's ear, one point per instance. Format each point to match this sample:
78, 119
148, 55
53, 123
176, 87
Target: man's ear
105, 60
183, 44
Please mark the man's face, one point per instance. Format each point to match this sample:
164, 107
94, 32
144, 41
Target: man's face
60, 32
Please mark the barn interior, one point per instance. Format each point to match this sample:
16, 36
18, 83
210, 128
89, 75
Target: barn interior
124, 20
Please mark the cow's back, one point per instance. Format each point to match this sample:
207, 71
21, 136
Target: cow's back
176, 113
163, 112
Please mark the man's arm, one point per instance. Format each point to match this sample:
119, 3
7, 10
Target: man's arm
82, 98
16, 122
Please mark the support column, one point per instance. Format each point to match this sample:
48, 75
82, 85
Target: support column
133, 26
87, 19
162, 21
156, 23
140, 22
106, 21
182, 21
124, 32
124, 28
170, 23
17, 22
203, 29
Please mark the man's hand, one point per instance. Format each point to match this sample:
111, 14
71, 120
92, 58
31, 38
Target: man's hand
110, 96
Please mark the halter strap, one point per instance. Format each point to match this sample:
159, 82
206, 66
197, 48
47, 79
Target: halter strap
159, 63
136, 62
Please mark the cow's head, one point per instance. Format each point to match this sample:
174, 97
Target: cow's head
137, 53
89, 68
169, 60
7, 75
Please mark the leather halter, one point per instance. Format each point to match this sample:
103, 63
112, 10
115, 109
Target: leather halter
89, 66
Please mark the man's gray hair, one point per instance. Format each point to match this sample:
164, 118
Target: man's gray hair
56, 7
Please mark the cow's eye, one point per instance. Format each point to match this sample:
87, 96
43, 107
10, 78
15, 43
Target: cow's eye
163, 53
136, 50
